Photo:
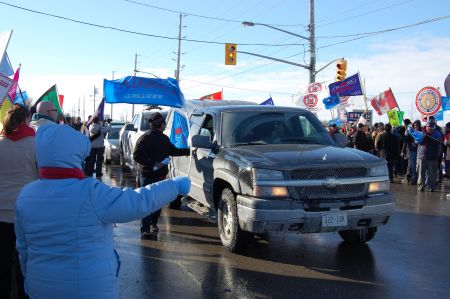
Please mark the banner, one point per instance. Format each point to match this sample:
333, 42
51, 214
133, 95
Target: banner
5, 86
213, 96
439, 115
351, 86
269, 101
447, 86
180, 131
356, 115
5, 66
395, 117
331, 101
308, 97
4, 108
12, 91
140, 90
445, 103
384, 102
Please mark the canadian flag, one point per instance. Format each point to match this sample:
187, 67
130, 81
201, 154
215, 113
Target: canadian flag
384, 102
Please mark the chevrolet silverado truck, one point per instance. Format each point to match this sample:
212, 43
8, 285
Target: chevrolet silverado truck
268, 169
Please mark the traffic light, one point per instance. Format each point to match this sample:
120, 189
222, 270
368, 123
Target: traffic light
341, 69
230, 54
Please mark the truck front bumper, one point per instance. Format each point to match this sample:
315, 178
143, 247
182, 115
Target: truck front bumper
284, 216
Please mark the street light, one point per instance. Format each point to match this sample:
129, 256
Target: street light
312, 44
270, 26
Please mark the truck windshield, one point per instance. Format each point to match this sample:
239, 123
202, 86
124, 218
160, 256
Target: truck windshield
280, 127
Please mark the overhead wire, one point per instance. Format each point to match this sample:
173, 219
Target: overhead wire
133, 32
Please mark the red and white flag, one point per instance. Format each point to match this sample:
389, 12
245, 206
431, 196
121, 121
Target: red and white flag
384, 102
213, 96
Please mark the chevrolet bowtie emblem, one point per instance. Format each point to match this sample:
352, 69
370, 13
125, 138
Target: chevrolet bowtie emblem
331, 182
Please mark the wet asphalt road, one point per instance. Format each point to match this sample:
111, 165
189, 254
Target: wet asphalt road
408, 258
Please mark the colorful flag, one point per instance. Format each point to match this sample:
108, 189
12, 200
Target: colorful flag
447, 85
213, 96
269, 101
141, 90
331, 101
308, 97
5, 86
51, 95
418, 136
12, 91
180, 131
351, 86
4, 108
439, 115
445, 103
395, 117
384, 102
5, 65
61, 100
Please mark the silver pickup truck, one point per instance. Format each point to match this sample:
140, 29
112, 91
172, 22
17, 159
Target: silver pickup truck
268, 169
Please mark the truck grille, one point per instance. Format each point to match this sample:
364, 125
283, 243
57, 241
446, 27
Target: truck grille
325, 192
312, 174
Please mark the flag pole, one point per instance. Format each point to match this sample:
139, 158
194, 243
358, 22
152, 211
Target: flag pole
364, 94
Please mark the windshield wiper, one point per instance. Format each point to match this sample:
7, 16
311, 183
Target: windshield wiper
249, 143
302, 140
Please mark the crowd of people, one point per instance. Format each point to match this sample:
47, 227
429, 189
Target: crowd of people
416, 154
55, 218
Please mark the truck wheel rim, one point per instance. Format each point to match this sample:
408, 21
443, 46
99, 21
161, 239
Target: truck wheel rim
226, 220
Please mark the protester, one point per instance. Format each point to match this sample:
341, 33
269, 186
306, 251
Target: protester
18, 167
427, 157
447, 149
151, 149
46, 113
360, 139
97, 136
410, 149
65, 221
388, 148
77, 124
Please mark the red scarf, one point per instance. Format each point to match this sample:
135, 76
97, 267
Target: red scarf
60, 173
22, 131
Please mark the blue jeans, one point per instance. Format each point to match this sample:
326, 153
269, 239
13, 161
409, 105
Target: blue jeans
151, 219
413, 163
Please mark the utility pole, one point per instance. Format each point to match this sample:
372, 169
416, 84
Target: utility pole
177, 75
135, 71
94, 100
112, 104
312, 43
84, 108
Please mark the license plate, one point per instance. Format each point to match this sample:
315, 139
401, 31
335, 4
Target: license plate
334, 219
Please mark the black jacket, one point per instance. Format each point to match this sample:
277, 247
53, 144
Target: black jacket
389, 146
152, 147
362, 142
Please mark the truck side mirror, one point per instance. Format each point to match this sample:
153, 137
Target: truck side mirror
202, 141
130, 127
340, 140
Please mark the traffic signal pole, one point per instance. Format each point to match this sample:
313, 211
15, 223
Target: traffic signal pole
312, 43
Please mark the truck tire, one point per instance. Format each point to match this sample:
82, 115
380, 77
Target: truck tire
358, 236
123, 166
231, 235
176, 204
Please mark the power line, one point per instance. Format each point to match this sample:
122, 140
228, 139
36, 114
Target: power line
248, 89
201, 16
135, 32
390, 29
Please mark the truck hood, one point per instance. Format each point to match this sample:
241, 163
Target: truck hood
291, 156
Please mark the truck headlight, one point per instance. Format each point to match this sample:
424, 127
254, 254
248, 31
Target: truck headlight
267, 175
379, 187
380, 170
270, 191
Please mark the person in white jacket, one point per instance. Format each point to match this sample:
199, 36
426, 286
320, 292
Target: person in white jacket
64, 221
